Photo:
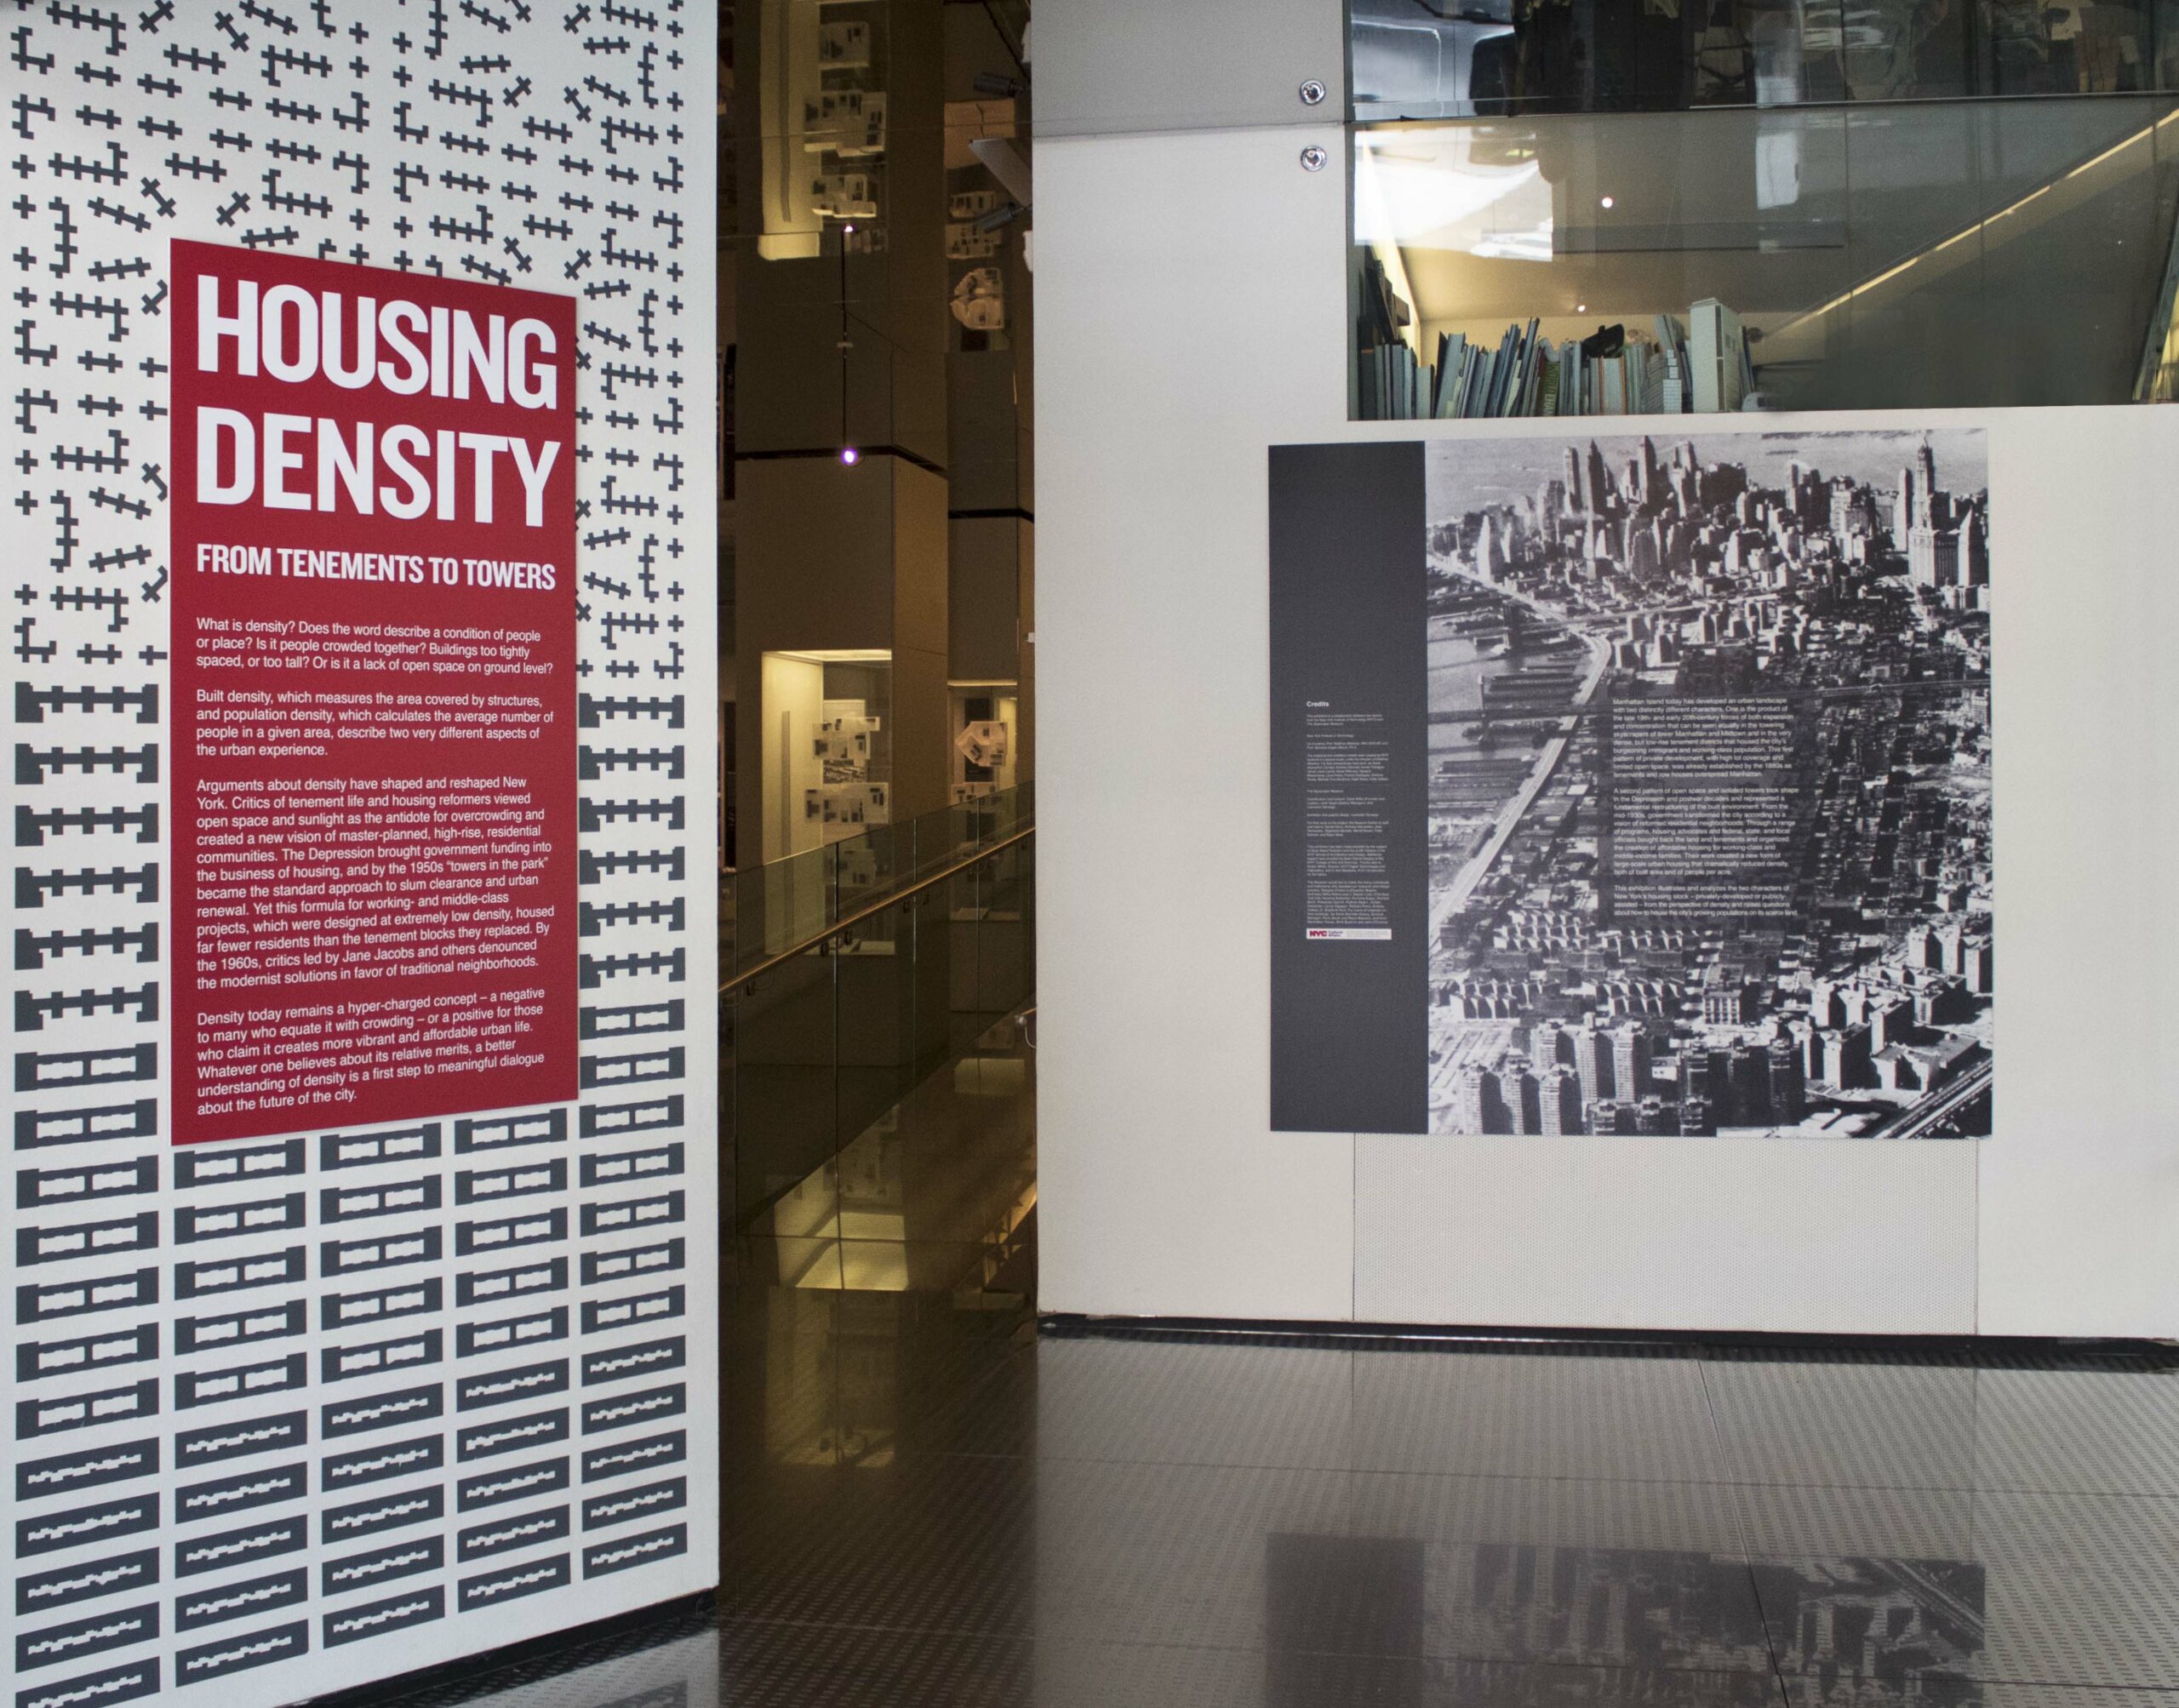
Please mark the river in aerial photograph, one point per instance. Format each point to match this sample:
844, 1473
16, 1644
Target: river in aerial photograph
1493, 666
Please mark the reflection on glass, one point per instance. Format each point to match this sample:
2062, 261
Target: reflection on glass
781, 1091
1961, 255
932, 1194
1459, 59
880, 1098
822, 117
770, 911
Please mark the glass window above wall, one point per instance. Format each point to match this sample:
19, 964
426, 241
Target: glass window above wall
1906, 255
1462, 59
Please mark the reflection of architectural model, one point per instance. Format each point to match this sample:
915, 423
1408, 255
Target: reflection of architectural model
966, 240
978, 300
849, 123
982, 744
842, 746
1710, 766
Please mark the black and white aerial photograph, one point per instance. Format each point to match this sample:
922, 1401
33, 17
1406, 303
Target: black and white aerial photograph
1710, 785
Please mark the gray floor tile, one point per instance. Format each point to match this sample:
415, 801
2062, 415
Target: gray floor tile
941, 1544
1515, 1569
1794, 1522
1848, 1420
1069, 1675
1873, 1586
1863, 1629
2106, 1431
1308, 1562
927, 1502
1539, 1570
1178, 1555
764, 1666
1534, 1415
1659, 1611
1547, 1511
819, 1377
1165, 1402
1492, 1684
995, 1414
671, 1662
1999, 1587
2082, 1589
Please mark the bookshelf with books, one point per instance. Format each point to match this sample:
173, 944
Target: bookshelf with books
1696, 364
1991, 254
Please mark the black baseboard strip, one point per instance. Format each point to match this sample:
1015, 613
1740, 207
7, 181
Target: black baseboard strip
459, 1681
1992, 1351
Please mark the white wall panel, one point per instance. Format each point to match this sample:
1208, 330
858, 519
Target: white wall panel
1192, 306
183, 1531
1103, 66
1806, 1236
2079, 1189
1174, 362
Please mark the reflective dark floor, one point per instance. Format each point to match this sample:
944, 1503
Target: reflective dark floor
929, 1502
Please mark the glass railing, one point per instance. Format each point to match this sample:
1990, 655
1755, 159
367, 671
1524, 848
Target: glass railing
773, 909
861, 1059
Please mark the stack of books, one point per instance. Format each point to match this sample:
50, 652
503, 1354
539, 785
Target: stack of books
1701, 368
1387, 360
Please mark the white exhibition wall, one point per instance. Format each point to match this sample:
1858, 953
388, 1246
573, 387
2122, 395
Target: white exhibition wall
1192, 303
532, 1445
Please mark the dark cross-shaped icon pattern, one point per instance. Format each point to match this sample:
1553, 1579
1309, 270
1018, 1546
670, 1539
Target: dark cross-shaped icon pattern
275, 1402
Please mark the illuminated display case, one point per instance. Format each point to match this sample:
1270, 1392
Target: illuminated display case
827, 757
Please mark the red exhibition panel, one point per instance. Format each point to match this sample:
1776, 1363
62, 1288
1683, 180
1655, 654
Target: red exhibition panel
373, 796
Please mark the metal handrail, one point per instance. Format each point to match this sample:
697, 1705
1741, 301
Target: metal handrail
871, 910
